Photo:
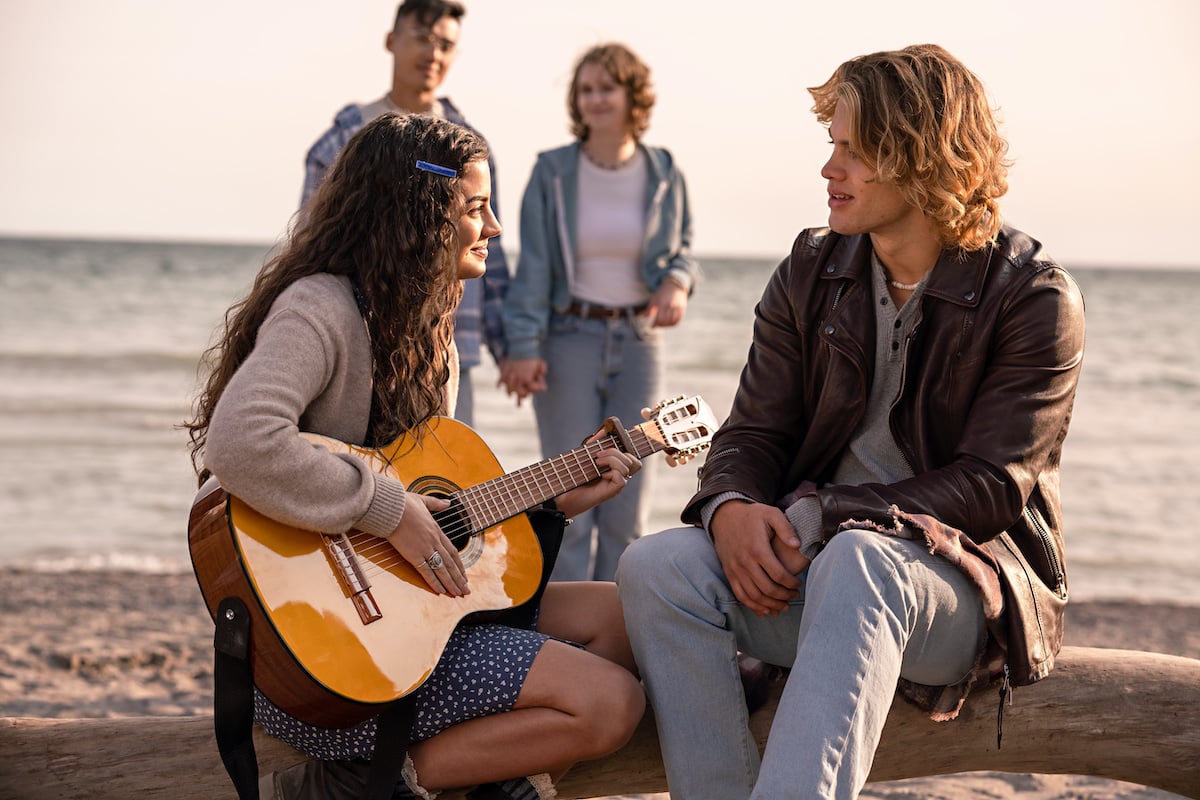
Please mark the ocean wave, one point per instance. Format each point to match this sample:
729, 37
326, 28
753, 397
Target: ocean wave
105, 562
100, 344
48, 413
109, 362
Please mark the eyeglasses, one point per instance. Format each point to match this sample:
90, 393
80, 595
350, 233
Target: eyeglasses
427, 38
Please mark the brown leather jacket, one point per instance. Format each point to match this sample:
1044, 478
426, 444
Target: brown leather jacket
984, 406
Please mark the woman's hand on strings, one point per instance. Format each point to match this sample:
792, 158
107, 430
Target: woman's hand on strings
421, 542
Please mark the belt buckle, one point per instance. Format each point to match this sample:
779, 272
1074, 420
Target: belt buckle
587, 310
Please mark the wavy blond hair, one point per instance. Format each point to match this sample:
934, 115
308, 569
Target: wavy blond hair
923, 122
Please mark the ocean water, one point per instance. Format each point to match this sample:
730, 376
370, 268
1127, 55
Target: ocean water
99, 343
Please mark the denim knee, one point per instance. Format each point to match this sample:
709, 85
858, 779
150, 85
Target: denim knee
853, 552
632, 563
646, 555
667, 563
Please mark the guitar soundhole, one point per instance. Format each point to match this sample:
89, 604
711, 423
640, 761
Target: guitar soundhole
455, 522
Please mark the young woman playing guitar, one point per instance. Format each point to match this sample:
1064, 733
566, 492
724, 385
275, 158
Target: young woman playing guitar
347, 333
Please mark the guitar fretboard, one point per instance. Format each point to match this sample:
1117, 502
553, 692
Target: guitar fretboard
494, 501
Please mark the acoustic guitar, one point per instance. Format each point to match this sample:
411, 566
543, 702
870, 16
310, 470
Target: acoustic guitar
341, 624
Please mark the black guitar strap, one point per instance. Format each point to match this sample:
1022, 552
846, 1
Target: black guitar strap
233, 696
391, 747
233, 713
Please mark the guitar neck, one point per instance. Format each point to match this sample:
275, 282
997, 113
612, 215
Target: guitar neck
494, 501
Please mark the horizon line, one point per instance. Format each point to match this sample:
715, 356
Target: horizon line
509, 252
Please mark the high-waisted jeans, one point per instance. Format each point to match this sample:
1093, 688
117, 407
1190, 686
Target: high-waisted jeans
596, 369
873, 608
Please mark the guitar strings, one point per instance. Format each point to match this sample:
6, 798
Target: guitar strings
485, 497
502, 497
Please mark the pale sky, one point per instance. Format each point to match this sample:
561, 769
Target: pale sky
159, 119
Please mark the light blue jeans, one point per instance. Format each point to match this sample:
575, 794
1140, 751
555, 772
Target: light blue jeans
596, 369
873, 608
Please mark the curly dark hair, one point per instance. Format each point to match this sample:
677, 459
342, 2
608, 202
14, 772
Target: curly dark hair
391, 228
628, 71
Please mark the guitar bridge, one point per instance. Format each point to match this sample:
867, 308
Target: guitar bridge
350, 575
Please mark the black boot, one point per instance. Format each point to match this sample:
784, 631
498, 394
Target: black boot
515, 789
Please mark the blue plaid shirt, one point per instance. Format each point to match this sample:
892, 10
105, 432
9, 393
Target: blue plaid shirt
478, 319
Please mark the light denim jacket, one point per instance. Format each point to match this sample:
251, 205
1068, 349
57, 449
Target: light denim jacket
546, 266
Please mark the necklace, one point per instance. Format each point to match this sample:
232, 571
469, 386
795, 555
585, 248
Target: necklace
604, 164
904, 287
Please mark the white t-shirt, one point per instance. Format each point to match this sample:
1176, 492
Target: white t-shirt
611, 231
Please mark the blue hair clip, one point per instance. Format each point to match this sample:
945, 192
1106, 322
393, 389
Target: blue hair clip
445, 172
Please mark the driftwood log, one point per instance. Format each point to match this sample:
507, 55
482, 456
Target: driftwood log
1116, 714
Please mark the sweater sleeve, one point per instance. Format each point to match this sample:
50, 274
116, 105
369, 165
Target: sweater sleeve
254, 445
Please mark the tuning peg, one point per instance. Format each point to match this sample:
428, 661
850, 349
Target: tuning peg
680, 457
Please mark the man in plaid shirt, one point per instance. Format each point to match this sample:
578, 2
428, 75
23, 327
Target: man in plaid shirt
423, 42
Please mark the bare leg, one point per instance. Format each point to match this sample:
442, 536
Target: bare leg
588, 612
575, 705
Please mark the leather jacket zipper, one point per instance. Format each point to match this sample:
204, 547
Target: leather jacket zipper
1060, 579
837, 298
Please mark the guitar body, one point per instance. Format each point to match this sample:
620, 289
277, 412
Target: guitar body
312, 652
341, 625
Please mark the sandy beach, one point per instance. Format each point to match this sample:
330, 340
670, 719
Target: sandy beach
93, 644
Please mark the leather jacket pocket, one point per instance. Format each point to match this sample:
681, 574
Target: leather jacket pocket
1033, 614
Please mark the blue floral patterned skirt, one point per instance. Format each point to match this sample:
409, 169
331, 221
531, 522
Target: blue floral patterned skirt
481, 672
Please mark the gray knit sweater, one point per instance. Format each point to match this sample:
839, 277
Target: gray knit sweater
310, 371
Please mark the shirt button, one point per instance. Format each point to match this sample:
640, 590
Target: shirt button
830, 268
829, 329
969, 296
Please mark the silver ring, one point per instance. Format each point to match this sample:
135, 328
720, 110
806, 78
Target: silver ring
435, 561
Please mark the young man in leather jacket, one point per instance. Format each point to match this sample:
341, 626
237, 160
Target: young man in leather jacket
880, 511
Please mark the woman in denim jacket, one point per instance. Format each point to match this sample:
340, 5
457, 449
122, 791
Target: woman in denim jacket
605, 260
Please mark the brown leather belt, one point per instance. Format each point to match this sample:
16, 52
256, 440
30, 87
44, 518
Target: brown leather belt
596, 311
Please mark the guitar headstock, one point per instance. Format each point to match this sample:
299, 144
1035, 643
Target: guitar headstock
683, 426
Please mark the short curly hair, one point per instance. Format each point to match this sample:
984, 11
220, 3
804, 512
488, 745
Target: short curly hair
923, 121
627, 70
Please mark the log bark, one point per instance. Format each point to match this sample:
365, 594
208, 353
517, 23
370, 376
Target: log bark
1116, 714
